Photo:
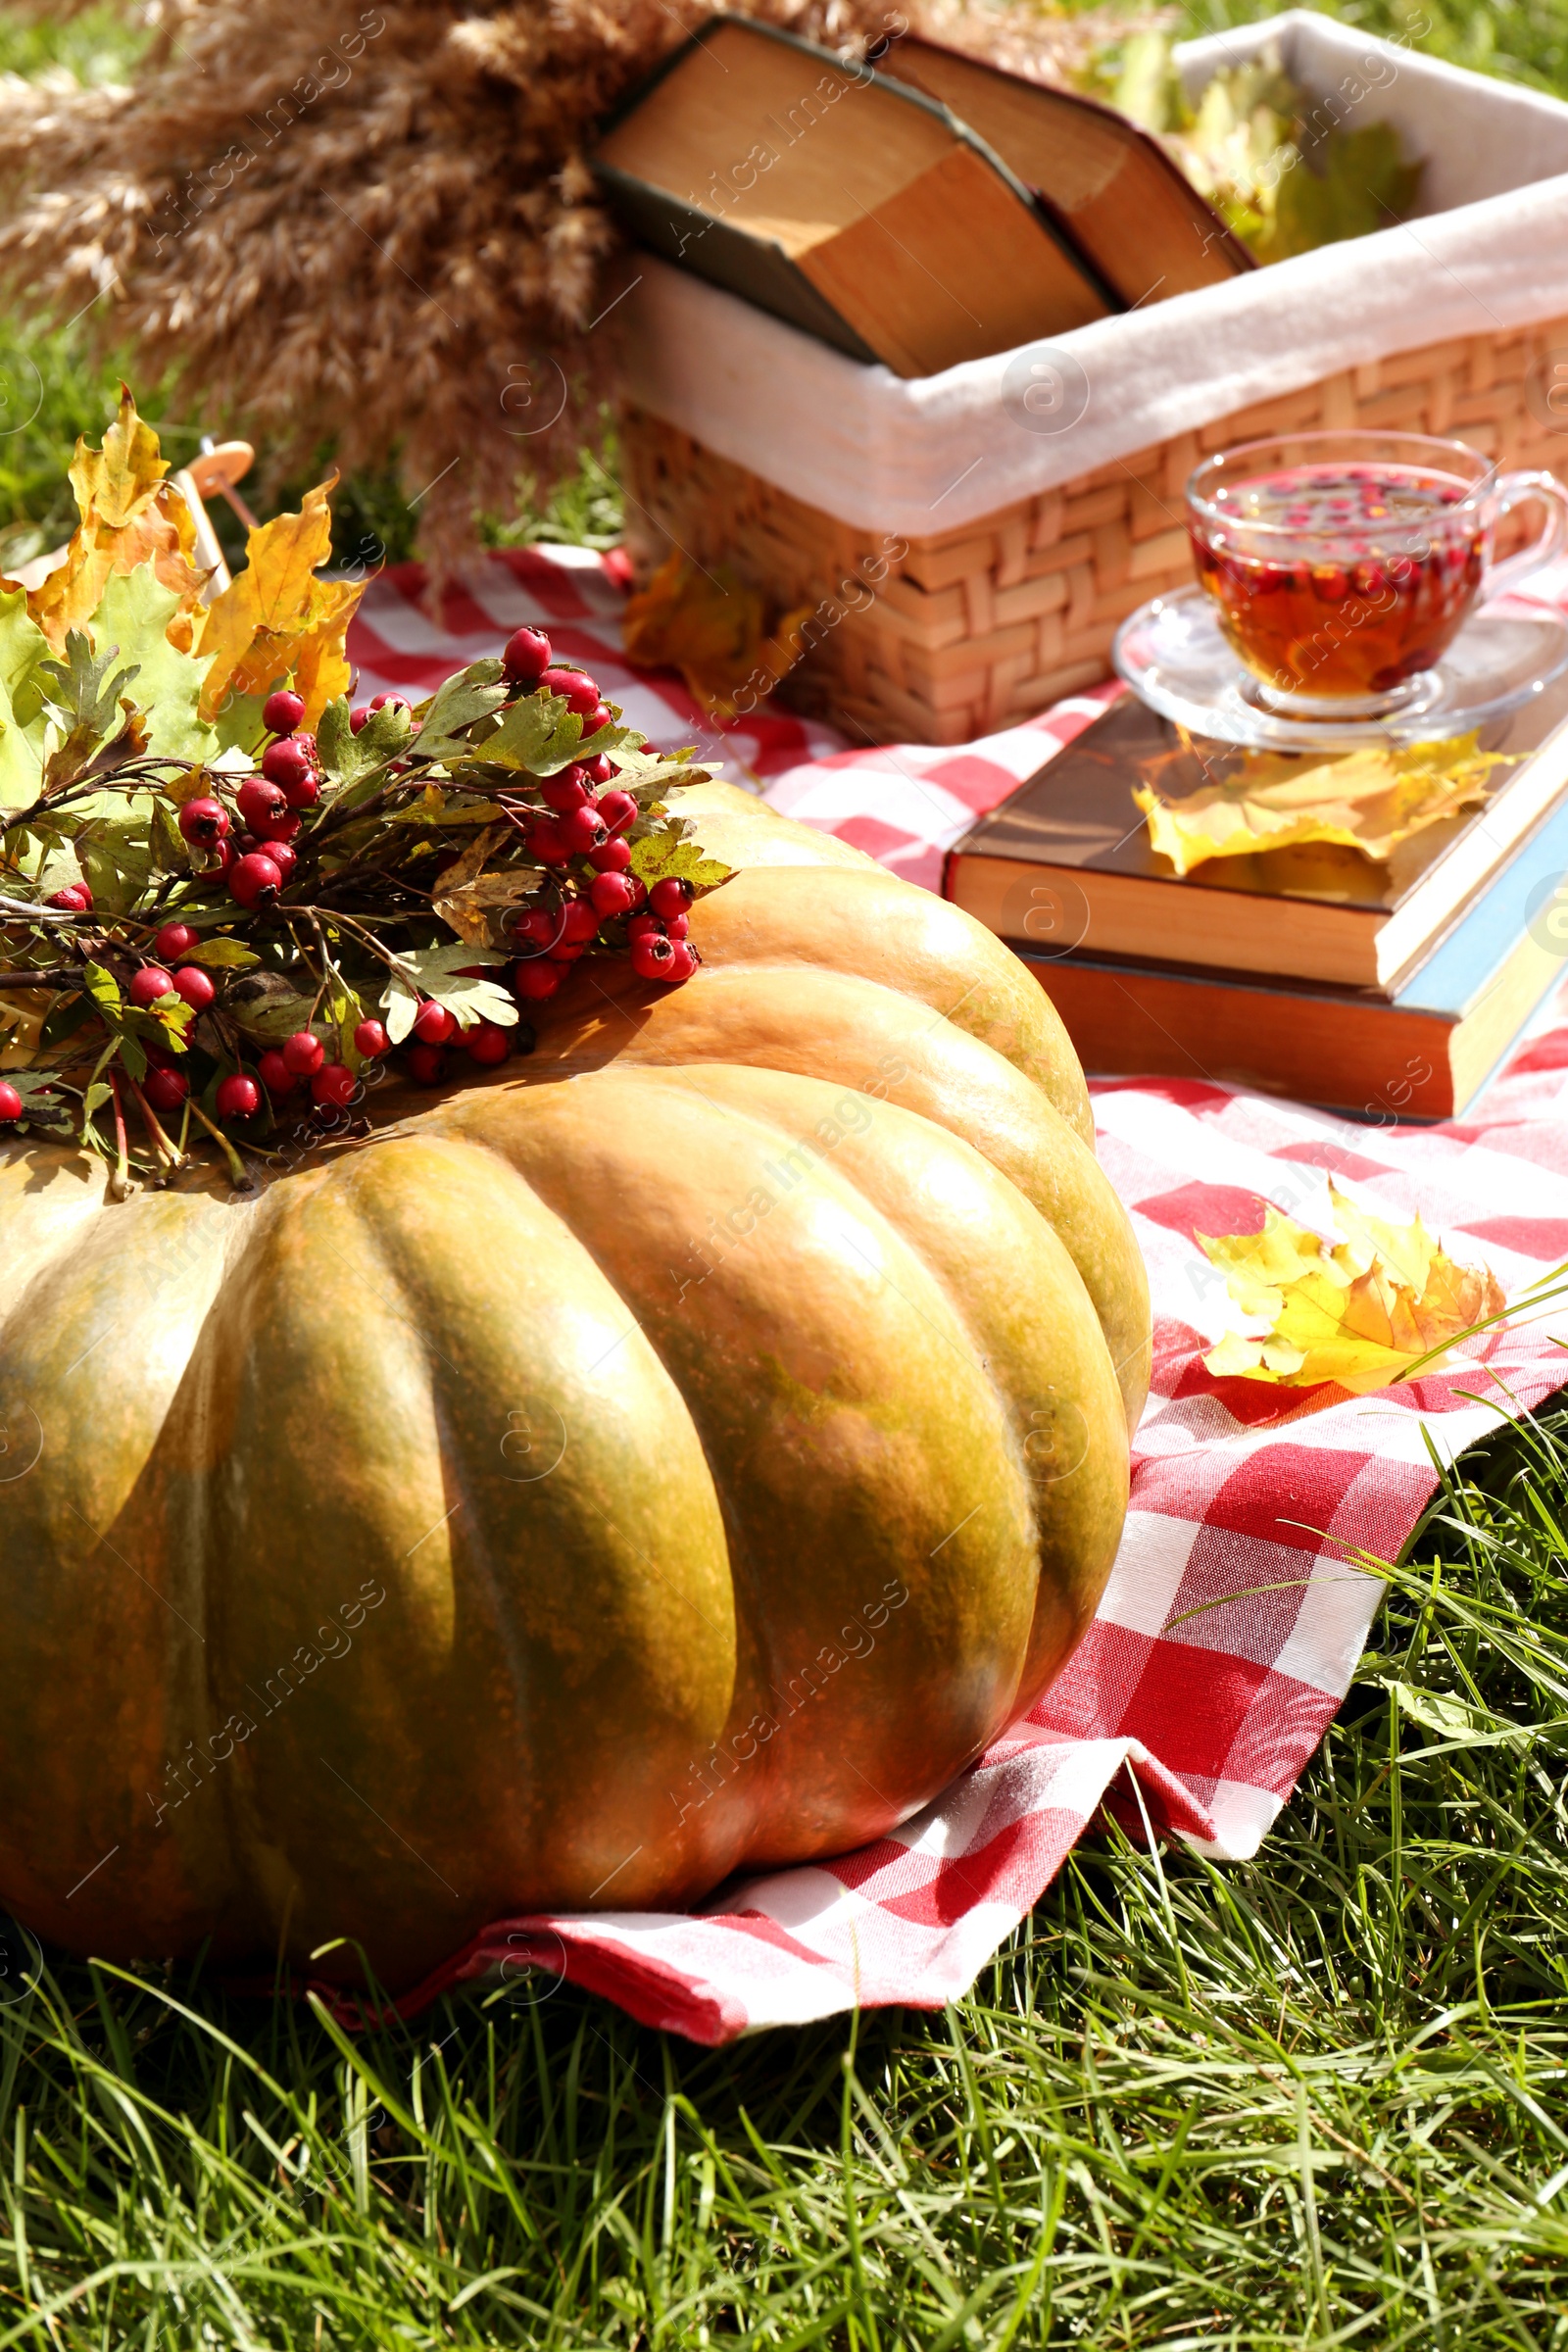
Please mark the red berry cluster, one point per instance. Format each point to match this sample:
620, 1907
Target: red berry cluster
574, 825
259, 862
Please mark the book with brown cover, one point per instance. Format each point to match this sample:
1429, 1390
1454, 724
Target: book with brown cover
1112, 187
851, 206
1072, 835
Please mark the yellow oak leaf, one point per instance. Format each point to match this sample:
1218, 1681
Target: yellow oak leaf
714, 630
1359, 1312
275, 616
1369, 800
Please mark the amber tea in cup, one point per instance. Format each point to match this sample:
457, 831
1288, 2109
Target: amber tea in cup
1341, 565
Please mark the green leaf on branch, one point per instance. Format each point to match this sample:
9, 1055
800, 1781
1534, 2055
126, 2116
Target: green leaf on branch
133, 612
277, 1014
42, 1105
172, 852
84, 689
114, 851
473, 693
221, 954
538, 736
348, 759
62, 1020
104, 990
440, 973
667, 852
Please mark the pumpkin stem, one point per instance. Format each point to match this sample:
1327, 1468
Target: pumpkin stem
237, 1175
120, 1181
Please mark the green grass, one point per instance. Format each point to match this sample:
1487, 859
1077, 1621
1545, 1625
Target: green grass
1317, 2100
1314, 2099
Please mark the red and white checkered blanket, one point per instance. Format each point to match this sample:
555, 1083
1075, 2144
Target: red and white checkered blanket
1237, 1608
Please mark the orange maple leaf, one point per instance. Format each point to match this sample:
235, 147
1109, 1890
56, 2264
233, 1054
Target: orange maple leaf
275, 619
1359, 1313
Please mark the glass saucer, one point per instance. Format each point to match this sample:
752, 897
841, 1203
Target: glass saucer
1174, 654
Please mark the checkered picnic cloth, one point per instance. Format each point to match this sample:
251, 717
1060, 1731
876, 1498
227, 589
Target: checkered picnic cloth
1237, 1608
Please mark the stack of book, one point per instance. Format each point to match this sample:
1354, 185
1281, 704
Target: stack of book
1391, 990
923, 212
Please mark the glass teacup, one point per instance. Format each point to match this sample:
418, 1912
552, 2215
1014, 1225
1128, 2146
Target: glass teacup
1343, 565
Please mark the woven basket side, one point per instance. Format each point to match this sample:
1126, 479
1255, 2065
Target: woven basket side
952, 636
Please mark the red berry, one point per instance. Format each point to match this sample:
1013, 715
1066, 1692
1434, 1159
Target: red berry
564, 792
360, 716
611, 894
598, 769
428, 1064
540, 927
535, 980
281, 827
671, 896
432, 1023
653, 956
370, 1039
149, 984
204, 822
282, 857
546, 844
611, 857
303, 1053
335, 1083
685, 960
10, 1103
392, 702
600, 715
290, 765
618, 809
255, 880
165, 1090
261, 803
195, 986
578, 919
525, 657
646, 926
221, 860
174, 940
582, 830
568, 950
240, 1098
578, 690
281, 712
75, 898
488, 1043
678, 925
274, 1072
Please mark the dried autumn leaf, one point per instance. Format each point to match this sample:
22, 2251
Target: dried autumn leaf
1369, 800
130, 515
711, 628
275, 618
1358, 1313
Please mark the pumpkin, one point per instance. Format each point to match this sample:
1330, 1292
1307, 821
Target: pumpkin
677, 1455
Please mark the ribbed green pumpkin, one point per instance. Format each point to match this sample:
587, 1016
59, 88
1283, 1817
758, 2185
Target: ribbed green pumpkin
681, 1452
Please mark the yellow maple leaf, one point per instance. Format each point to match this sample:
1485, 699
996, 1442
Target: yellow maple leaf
130, 515
711, 627
275, 618
1358, 1313
1369, 800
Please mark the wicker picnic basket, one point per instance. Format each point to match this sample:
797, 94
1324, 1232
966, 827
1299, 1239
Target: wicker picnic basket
978, 627
1005, 546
